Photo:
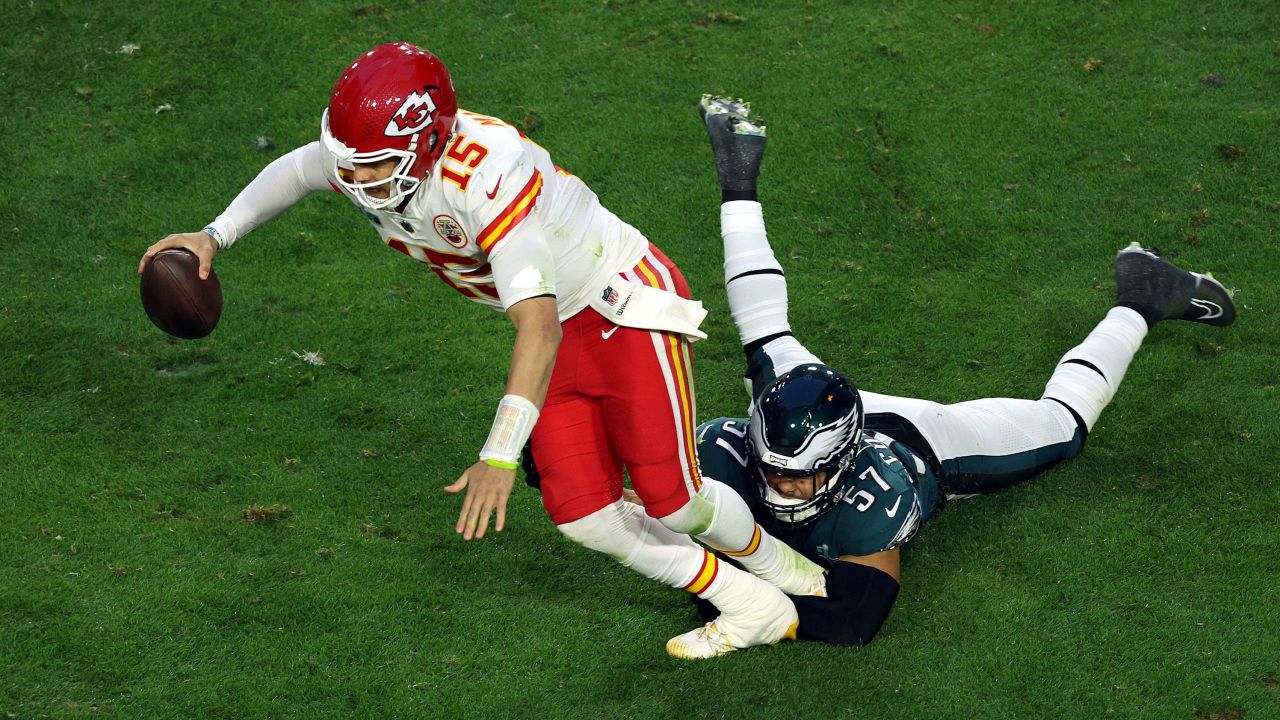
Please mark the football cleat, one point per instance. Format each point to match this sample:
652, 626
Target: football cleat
792, 573
1161, 290
716, 105
737, 142
771, 618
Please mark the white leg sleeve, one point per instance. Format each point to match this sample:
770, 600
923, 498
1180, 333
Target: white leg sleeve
719, 518
786, 353
753, 277
624, 532
1089, 374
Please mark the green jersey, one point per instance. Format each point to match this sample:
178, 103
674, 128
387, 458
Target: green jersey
883, 497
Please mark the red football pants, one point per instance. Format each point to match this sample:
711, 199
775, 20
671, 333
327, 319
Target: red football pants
619, 397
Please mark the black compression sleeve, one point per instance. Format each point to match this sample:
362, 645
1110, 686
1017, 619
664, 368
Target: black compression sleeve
858, 600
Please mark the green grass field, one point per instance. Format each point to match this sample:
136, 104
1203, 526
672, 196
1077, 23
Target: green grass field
946, 183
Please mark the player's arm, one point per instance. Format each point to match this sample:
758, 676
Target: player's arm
278, 187
524, 275
488, 482
861, 590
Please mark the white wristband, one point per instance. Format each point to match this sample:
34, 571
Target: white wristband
213, 232
512, 426
223, 231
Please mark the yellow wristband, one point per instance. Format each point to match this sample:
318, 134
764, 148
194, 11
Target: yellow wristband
499, 464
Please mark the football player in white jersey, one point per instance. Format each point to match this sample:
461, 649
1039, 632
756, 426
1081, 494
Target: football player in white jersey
847, 476
603, 327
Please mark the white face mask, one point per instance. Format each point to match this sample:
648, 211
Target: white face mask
399, 184
795, 511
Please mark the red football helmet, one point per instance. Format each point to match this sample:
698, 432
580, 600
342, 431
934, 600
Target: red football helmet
396, 101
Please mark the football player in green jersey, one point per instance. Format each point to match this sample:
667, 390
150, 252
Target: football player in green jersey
848, 476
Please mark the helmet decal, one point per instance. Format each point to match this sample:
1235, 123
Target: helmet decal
416, 113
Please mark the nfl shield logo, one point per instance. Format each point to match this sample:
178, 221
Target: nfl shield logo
610, 296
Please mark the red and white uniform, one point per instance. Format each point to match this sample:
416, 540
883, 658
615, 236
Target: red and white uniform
500, 223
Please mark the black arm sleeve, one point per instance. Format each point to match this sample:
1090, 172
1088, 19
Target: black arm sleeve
858, 600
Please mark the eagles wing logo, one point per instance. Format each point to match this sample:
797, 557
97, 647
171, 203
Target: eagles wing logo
415, 114
449, 229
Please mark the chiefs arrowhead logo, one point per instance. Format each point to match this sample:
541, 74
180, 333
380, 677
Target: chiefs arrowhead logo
450, 230
414, 115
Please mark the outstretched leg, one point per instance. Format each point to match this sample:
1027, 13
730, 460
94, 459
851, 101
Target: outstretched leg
985, 445
1148, 289
753, 277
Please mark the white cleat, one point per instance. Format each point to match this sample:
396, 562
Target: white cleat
771, 619
818, 588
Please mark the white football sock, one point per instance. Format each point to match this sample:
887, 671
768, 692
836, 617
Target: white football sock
719, 518
624, 532
753, 277
1108, 350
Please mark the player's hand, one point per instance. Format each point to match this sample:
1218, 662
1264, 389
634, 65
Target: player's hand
200, 243
487, 489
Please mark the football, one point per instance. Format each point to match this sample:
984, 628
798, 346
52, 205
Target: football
175, 297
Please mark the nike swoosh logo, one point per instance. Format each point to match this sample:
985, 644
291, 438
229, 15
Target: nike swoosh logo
494, 192
605, 334
893, 510
1211, 309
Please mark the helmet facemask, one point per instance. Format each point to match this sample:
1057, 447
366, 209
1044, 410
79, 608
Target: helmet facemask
796, 512
400, 184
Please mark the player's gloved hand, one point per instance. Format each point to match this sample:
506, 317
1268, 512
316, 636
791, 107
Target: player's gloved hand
487, 489
200, 243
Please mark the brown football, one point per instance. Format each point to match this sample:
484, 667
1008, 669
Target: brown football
175, 297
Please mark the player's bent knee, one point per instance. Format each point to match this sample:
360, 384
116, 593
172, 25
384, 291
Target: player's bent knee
693, 518
1075, 445
600, 531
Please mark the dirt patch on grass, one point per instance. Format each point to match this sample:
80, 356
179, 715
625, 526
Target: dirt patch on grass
1228, 714
265, 514
718, 18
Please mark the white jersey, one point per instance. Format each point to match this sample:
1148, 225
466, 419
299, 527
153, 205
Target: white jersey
495, 219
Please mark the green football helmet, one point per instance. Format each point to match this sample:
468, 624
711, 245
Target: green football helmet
809, 420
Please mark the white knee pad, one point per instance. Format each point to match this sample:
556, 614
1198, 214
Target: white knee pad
1080, 388
607, 530
697, 515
